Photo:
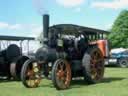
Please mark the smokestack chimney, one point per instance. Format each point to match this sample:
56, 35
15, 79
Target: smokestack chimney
45, 26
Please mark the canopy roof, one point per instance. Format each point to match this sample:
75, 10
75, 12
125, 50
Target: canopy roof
76, 28
15, 38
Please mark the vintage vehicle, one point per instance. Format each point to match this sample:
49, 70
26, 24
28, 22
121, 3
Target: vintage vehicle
68, 51
118, 57
11, 57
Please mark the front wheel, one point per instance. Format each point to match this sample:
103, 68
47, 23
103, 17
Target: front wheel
61, 74
30, 74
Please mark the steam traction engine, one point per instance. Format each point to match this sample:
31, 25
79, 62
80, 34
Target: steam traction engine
11, 58
71, 50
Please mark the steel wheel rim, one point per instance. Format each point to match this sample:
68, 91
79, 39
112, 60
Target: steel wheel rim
33, 76
97, 65
63, 74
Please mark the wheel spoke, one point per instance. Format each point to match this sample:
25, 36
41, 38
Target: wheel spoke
96, 65
33, 75
62, 74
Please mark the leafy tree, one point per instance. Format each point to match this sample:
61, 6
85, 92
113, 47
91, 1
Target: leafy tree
119, 32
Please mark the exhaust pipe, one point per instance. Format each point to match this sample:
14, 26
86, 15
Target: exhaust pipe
45, 27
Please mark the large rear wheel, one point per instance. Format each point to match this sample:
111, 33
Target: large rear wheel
93, 63
30, 74
61, 74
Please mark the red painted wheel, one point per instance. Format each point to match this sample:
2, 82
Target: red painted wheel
30, 74
93, 62
61, 74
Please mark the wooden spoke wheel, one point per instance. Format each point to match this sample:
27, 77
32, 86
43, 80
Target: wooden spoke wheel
93, 63
30, 74
61, 74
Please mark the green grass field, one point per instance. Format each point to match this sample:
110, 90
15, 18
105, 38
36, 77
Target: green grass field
115, 83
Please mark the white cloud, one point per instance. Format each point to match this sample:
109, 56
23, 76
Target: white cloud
15, 27
70, 3
115, 4
3, 25
36, 31
22, 29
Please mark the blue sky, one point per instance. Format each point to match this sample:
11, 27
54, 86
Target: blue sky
23, 17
